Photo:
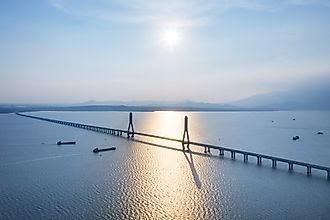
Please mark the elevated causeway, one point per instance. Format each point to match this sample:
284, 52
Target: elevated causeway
129, 133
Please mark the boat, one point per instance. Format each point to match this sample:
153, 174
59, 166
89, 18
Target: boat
96, 150
295, 138
67, 142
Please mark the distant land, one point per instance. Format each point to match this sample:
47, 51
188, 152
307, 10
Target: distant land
306, 97
312, 95
265, 102
33, 108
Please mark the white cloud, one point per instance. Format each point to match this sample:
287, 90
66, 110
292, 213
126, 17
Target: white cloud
309, 2
57, 3
190, 12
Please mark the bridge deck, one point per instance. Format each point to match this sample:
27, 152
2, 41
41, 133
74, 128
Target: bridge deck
246, 154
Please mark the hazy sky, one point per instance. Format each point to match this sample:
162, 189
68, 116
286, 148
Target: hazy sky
64, 51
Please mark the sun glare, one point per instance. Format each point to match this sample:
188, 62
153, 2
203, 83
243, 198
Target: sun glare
171, 38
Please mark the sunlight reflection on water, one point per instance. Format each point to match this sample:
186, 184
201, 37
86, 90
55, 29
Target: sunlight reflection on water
169, 169
159, 181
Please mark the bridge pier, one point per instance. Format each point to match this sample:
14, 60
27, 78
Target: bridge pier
232, 154
246, 157
221, 152
328, 174
273, 163
309, 171
259, 160
290, 166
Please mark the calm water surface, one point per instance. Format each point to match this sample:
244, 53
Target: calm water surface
40, 180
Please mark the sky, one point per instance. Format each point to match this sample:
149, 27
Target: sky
72, 51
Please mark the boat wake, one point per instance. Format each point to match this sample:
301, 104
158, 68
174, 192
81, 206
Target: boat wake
39, 159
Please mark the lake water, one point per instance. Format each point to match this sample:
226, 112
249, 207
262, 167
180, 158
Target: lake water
40, 180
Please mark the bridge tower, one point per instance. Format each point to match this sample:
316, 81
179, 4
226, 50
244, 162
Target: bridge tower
185, 139
130, 126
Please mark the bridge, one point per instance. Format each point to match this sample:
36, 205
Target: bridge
186, 143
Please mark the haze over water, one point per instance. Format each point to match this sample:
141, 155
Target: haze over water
40, 180
72, 51
145, 55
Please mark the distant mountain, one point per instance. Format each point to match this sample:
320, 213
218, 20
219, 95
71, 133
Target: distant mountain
316, 97
313, 95
163, 104
126, 108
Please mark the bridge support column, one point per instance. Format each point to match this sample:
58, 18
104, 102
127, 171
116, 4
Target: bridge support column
290, 166
232, 155
328, 174
221, 152
273, 163
246, 157
130, 126
258, 160
186, 135
309, 171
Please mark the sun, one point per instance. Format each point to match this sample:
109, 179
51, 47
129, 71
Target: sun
171, 38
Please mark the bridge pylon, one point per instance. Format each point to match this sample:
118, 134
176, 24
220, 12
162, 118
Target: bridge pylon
130, 129
185, 139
